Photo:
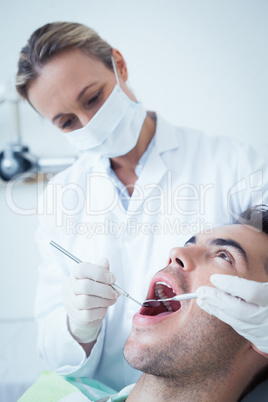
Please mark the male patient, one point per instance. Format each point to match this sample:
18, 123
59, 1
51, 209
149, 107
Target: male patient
189, 355
186, 354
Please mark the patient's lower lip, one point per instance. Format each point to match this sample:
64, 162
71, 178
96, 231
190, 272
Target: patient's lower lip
140, 319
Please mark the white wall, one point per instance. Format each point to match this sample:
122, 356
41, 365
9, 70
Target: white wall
199, 63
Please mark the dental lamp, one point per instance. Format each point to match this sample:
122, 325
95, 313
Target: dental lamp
16, 158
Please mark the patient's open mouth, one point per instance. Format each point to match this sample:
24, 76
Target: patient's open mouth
162, 291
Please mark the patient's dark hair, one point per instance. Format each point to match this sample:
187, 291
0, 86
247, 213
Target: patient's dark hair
256, 217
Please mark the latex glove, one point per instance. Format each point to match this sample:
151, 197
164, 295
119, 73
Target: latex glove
248, 317
86, 298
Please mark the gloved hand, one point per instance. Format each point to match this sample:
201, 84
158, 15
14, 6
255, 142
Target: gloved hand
248, 317
86, 297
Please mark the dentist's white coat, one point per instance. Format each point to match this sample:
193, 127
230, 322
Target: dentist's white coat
189, 183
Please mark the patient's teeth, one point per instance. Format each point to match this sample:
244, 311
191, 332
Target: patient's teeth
163, 283
167, 305
160, 294
160, 290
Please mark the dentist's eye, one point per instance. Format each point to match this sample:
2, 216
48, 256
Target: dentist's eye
94, 99
68, 123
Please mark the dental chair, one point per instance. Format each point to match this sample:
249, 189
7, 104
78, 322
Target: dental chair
260, 394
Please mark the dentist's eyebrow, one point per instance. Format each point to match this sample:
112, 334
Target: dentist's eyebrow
192, 240
57, 117
233, 244
79, 96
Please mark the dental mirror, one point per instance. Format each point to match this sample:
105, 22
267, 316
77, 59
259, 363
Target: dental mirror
156, 303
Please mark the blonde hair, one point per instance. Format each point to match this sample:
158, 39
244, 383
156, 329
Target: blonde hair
52, 39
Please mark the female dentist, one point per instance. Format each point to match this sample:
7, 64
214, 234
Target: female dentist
139, 187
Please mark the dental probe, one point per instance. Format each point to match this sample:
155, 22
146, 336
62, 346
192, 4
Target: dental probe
114, 286
156, 303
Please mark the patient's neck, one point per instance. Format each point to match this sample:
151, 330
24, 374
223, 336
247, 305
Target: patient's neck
218, 383
152, 388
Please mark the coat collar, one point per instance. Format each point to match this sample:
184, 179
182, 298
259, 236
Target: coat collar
166, 137
155, 168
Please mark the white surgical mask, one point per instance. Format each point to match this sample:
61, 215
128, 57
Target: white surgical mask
115, 128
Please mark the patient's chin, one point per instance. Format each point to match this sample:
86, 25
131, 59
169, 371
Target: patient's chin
133, 353
140, 354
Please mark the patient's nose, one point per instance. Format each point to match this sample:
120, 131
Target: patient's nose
180, 257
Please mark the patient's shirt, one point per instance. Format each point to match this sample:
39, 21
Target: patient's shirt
50, 387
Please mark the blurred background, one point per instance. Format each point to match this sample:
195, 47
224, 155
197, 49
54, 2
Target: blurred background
198, 63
